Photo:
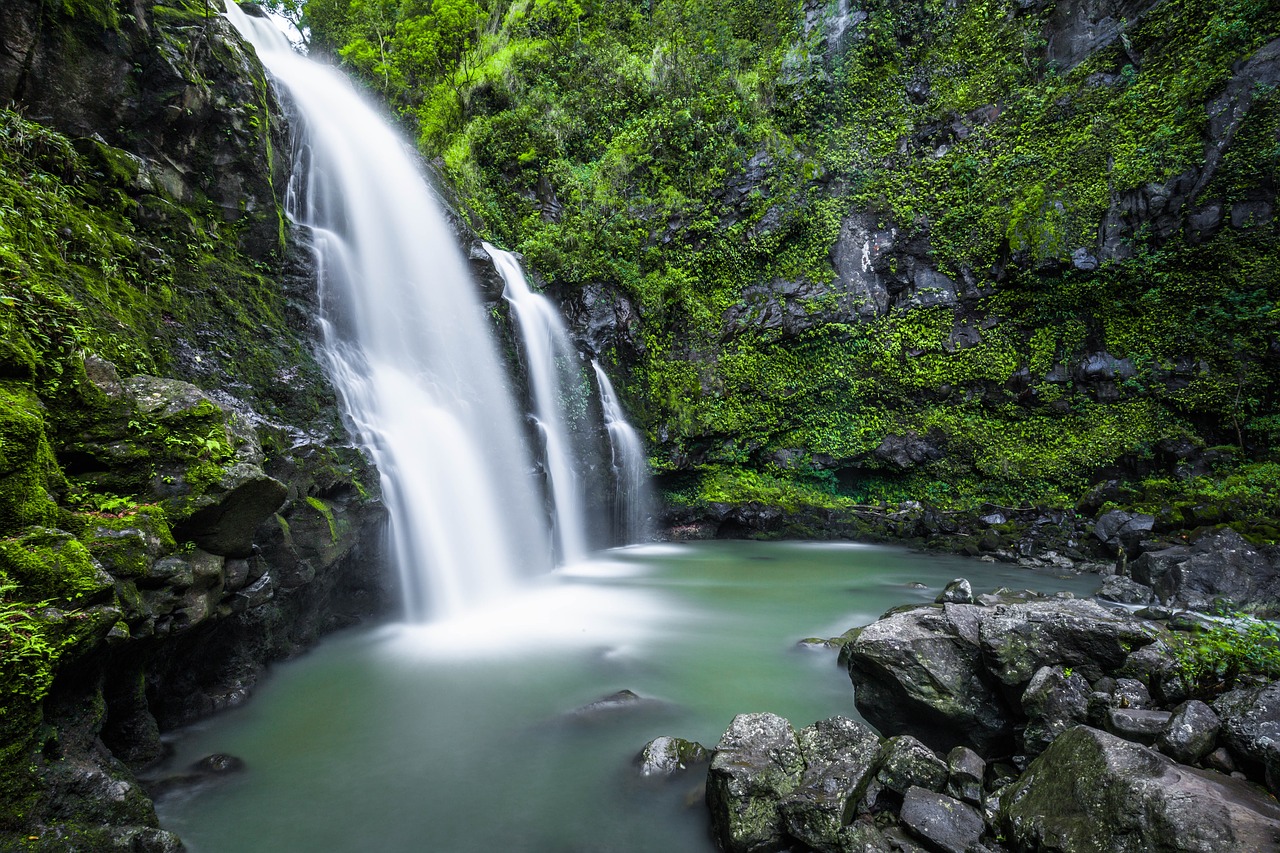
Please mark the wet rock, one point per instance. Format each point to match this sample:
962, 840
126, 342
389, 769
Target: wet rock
959, 591
608, 707
1125, 590
1219, 565
921, 672
907, 762
1093, 791
840, 755
668, 756
1191, 733
944, 823
1130, 693
965, 773
907, 451
1119, 529
1136, 724
1251, 730
1018, 639
862, 836
1053, 702
757, 763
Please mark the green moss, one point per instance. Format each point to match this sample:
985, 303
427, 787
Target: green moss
51, 564
325, 510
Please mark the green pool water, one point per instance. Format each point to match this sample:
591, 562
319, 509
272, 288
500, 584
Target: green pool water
460, 737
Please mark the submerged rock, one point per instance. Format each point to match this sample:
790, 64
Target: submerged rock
667, 756
1093, 791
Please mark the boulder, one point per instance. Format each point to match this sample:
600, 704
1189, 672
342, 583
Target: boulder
909, 763
959, 591
1191, 733
667, 756
1092, 791
1251, 730
1219, 565
1018, 639
944, 823
1136, 724
920, 672
965, 773
1054, 701
1125, 590
757, 763
840, 754
1123, 530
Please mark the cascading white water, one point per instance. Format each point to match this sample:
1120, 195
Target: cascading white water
406, 344
631, 505
551, 362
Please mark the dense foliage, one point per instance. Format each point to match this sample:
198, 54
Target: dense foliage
683, 151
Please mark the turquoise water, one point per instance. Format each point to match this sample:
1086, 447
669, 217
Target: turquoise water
457, 737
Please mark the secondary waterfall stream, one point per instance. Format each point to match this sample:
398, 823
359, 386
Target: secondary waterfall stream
631, 500
406, 343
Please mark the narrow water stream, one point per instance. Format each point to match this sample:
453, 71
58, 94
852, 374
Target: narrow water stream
455, 737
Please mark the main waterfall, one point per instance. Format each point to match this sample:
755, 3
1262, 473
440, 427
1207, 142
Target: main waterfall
406, 344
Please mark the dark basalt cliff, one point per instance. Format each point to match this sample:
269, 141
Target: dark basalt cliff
180, 503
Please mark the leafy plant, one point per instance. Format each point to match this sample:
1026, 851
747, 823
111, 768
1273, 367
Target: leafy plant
1237, 649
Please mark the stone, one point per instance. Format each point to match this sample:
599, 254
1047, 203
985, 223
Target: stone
959, 591
1137, 725
1217, 566
1124, 590
920, 672
757, 763
1018, 639
965, 773
1251, 730
945, 823
668, 756
862, 836
1120, 529
1092, 791
1053, 702
1083, 260
1130, 693
840, 755
907, 762
1191, 734
607, 707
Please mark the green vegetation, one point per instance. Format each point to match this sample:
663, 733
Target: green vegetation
1238, 650
683, 151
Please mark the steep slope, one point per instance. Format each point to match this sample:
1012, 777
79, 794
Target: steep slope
848, 253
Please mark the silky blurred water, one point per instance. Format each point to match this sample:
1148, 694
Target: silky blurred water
454, 736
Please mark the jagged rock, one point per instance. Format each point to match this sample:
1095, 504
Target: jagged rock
1218, 565
965, 773
1018, 639
1120, 529
1251, 730
907, 451
1092, 791
1136, 724
1191, 733
921, 672
840, 754
1125, 590
907, 762
959, 591
1053, 702
944, 823
757, 763
667, 756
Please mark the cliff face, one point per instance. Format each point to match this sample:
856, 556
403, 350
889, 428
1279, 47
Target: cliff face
860, 252
179, 500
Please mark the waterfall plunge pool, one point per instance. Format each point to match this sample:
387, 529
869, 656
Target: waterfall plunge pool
459, 736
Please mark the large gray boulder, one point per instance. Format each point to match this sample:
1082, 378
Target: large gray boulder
1251, 730
1191, 734
1091, 791
1218, 565
920, 672
942, 822
840, 754
757, 763
1018, 639
1053, 702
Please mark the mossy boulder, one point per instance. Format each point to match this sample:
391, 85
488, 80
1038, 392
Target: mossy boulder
29, 474
50, 563
757, 763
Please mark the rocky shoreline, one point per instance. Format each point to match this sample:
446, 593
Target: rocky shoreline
1019, 721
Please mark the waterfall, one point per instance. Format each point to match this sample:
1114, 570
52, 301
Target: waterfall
406, 343
551, 363
631, 500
